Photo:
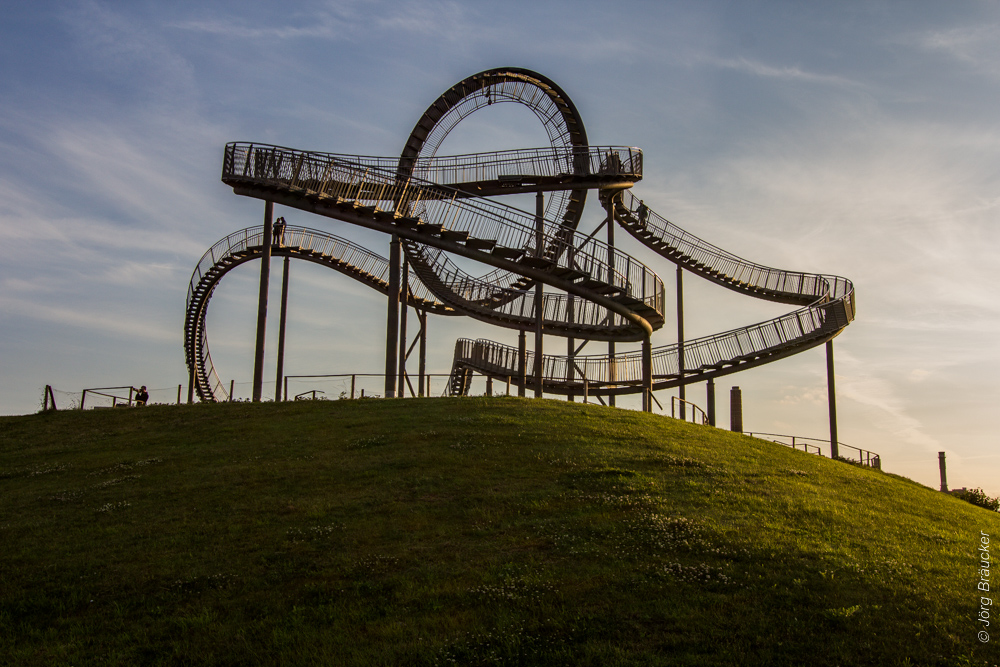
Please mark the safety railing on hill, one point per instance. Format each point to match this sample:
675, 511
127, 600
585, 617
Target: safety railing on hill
863, 456
687, 410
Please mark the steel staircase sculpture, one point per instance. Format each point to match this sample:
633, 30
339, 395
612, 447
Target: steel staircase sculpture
830, 308
297, 242
438, 206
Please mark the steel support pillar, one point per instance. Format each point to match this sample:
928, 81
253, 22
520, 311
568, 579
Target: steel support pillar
736, 410
422, 316
392, 319
831, 391
943, 467
522, 361
539, 292
191, 384
612, 371
710, 401
647, 374
404, 299
681, 393
571, 342
265, 272
282, 318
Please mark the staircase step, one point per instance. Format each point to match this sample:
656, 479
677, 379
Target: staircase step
480, 244
428, 228
451, 235
408, 221
536, 262
507, 253
572, 275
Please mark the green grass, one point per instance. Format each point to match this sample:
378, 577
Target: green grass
466, 531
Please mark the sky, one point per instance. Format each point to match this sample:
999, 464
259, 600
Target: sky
858, 139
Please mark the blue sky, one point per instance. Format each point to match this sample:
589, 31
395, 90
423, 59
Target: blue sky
858, 138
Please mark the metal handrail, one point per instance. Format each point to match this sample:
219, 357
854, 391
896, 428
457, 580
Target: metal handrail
794, 284
368, 185
677, 401
865, 458
217, 260
700, 354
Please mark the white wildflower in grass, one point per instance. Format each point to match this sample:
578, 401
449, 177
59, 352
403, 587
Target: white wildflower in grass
114, 507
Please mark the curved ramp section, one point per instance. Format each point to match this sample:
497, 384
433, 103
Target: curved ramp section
543, 97
296, 242
350, 189
722, 267
831, 307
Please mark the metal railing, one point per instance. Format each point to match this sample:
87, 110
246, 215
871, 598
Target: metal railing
303, 239
530, 162
512, 306
688, 411
864, 457
796, 286
357, 181
625, 369
356, 391
368, 267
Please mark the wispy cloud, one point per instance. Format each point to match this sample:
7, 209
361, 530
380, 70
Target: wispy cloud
785, 73
122, 47
348, 20
104, 321
889, 411
976, 45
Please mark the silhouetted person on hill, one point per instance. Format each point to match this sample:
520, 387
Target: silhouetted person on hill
141, 396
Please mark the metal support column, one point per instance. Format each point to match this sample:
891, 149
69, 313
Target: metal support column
265, 272
392, 319
942, 466
282, 318
539, 291
522, 354
610, 207
832, 396
422, 316
647, 374
736, 410
571, 342
404, 299
680, 339
710, 401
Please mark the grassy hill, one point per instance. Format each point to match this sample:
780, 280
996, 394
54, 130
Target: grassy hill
467, 531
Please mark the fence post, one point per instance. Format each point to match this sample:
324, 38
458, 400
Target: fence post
353, 378
736, 410
944, 472
711, 401
83, 398
179, 394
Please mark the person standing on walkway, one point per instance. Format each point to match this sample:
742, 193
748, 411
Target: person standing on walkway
279, 232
